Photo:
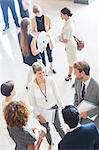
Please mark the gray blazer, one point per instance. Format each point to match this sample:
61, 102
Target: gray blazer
91, 95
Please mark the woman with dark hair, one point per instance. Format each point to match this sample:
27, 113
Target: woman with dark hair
7, 89
67, 37
28, 47
16, 115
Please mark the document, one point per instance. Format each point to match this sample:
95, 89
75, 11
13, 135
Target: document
49, 114
85, 106
34, 127
92, 118
42, 39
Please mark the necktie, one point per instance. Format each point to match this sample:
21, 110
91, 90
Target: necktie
83, 91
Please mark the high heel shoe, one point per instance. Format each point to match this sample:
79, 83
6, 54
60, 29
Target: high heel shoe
68, 77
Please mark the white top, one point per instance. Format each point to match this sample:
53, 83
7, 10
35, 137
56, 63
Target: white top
70, 46
68, 33
72, 129
37, 99
87, 83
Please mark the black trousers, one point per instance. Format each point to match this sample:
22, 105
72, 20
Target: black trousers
49, 54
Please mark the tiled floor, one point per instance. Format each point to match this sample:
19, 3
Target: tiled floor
86, 20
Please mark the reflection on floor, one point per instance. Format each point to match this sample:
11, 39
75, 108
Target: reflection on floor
12, 68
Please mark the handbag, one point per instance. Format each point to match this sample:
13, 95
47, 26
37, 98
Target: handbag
80, 43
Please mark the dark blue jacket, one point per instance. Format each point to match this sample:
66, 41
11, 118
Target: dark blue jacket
85, 137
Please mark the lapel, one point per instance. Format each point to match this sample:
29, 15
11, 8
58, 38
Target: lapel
89, 89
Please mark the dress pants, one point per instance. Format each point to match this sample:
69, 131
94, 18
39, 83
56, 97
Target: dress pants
56, 124
49, 54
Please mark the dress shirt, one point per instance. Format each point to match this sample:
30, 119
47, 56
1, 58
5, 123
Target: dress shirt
87, 83
37, 99
72, 129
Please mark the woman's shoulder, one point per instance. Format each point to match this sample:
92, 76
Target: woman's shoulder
50, 79
32, 84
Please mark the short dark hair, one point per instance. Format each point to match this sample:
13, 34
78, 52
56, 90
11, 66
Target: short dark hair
7, 88
16, 114
70, 116
66, 11
82, 66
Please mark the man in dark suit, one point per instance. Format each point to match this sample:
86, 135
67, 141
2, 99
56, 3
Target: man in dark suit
86, 88
5, 4
78, 137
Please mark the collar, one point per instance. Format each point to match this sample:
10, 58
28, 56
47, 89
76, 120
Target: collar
87, 82
70, 130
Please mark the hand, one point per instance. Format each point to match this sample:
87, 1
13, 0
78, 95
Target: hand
42, 134
41, 119
37, 34
83, 115
43, 47
33, 129
62, 40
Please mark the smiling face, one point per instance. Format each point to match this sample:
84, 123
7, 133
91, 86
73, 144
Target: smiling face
40, 75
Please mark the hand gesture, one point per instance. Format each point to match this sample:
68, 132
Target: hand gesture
41, 119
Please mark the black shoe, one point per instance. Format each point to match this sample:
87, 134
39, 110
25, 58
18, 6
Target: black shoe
73, 85
53, 71
6, 28
26, 87
68, 77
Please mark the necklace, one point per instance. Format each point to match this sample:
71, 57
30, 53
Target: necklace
44, 93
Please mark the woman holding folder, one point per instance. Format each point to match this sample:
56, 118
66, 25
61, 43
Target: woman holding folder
43, 95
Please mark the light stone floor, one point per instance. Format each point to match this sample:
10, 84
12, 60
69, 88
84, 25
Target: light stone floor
86, 19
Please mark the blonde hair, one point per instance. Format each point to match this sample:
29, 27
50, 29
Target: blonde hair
36, 9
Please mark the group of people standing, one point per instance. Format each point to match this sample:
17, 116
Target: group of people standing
43, 93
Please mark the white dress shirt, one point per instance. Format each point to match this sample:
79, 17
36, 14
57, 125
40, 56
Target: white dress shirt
37, 99
87, 83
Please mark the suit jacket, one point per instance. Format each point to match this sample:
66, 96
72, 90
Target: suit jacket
48, 26
85, 137
91, 95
